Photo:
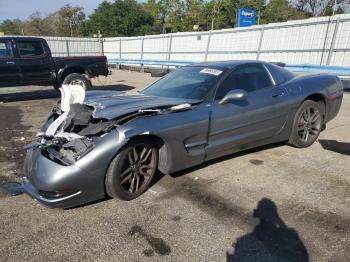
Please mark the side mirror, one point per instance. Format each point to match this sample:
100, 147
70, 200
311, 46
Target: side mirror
234, 95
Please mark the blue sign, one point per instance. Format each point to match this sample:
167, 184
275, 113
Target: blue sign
246, 17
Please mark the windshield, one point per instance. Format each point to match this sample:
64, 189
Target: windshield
187, 82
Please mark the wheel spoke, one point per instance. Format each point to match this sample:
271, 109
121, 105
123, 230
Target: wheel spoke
137, 183
315, 117
126, 171
132, 184
144, 150
135, 155
127, 178
308, 114
306, 135
143, 171
131, 161
144, 159
314, 131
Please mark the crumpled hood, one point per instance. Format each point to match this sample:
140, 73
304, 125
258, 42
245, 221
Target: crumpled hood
112, 104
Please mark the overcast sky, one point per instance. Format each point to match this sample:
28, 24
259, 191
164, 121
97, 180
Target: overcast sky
10, 9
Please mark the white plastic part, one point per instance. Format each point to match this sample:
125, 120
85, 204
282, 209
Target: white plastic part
52, 129
70, 94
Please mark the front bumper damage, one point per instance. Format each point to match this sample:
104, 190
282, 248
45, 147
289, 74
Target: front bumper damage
67, 166
56, 185
67, 169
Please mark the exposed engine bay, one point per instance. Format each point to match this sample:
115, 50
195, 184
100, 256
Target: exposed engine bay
73, 125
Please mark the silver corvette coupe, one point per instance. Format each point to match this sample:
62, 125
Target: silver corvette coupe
112, 143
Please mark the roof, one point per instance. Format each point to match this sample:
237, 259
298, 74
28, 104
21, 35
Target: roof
20, 38
224, 64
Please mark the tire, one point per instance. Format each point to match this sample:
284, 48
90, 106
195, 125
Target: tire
308, 123
124, 171
77, 79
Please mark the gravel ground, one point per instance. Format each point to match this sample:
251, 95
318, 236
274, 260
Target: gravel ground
273, 201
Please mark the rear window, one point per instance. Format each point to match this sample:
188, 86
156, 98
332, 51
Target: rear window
279, 74
30, 48
4, 51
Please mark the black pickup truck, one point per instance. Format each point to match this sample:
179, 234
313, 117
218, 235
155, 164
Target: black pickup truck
28, 61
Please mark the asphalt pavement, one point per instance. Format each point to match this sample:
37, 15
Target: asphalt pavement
293, 203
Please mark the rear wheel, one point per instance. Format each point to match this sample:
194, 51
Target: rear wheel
77, 79
131, 171
308, 123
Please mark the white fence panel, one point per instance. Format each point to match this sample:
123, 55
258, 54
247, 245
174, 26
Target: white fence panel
156, 47
321, 40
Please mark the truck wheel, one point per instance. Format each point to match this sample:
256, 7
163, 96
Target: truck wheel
308, 123
77, 79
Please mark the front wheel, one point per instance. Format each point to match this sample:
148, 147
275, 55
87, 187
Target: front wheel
308, 123
77, 79
131, 171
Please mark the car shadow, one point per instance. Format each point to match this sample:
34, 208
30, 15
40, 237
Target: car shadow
184, 172
159, 175
335, 146
270, 240
52, 93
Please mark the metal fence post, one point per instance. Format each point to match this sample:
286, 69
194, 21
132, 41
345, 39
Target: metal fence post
334, 37
169, 46
260, 43
208, 45
67, 47
102, 51
169, 49
142, 65
120, 48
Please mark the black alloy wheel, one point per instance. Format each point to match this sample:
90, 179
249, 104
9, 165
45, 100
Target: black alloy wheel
131, 171
308, 123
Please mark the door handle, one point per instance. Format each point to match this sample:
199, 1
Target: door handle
279, 94
10, 62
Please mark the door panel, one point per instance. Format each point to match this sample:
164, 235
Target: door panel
35, 63
236, 124
239, 123
9, 69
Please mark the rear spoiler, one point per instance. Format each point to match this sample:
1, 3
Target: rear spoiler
278, 64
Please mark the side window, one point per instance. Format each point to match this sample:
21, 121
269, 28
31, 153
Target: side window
280, 75
4, 50
248, 78
30, 48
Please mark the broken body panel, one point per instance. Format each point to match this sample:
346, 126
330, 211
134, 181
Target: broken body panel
80, 138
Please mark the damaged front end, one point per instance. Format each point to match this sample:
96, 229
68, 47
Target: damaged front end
72, 128
68, 163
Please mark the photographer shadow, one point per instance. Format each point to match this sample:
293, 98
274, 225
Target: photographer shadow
271, 239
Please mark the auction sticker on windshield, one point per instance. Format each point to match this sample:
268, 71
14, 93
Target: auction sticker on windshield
211, 71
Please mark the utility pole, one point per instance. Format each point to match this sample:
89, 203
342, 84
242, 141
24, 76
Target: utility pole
217, 4
335, 5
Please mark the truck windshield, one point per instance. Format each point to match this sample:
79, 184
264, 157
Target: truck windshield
187, 82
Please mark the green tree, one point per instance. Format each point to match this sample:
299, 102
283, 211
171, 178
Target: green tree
120, 18
320, 7
281, 11
68, 20
37, 26
10, 27
195, 15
